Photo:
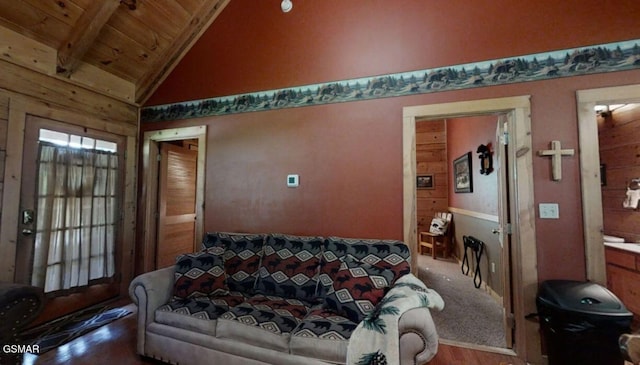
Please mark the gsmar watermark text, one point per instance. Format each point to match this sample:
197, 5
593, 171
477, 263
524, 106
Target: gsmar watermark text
21, 349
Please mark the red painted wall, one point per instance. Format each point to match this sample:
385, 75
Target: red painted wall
465, 135
349, 156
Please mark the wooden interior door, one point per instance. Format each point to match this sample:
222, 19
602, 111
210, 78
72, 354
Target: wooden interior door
59, 302
176, 203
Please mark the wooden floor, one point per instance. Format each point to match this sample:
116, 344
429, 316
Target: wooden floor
115, 344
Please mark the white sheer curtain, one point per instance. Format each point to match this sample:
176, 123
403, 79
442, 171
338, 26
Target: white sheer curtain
76, 217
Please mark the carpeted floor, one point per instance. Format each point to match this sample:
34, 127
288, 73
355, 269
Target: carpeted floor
56, 333
470, 315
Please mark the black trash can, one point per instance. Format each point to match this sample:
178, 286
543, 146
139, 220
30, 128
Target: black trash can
581, 323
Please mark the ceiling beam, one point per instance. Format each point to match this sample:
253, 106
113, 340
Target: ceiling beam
178, 48
83, 34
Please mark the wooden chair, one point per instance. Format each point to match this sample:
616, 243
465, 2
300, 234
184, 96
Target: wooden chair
437, 241
630, 347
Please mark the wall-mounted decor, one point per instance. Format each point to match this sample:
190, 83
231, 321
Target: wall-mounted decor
462, 176
486, 158
618, 56
425, 182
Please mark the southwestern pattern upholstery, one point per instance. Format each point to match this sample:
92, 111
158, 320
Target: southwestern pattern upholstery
323, 334
357, 288
388, 254
200, 274
242, 257
290, 267
283, 300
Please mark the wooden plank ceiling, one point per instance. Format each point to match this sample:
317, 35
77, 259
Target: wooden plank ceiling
120, 48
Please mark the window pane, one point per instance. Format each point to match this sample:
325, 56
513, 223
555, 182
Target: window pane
54, 137
88, 143
106, 146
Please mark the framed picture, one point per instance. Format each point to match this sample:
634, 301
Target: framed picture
424, 182
462, 176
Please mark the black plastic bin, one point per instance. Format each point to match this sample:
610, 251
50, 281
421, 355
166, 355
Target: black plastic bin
581, 323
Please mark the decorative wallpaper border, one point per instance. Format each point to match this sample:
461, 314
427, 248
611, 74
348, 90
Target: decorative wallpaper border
609, 57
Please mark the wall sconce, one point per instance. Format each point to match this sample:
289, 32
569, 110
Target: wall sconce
286, 6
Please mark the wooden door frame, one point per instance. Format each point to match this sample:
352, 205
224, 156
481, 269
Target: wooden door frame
21, 106
524, 260
592, 216
150, 186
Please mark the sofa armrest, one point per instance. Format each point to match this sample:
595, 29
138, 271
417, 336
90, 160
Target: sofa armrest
149, 291
418, 336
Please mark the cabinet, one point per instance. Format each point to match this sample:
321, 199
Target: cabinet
623, 278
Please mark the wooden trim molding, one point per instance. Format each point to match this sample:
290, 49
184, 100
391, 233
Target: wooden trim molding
148, 198
522, 207
470, 213
590, 171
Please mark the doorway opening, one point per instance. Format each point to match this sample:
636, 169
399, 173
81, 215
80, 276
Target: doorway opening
479, 303
71, 234
159, 222
590, 170
521, 212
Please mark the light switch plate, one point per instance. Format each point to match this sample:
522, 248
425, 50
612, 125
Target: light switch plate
293, 181
549, 210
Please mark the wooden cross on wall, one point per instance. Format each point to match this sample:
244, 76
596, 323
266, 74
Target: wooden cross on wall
556, 153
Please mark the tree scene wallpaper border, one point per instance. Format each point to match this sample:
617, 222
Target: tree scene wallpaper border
610, 57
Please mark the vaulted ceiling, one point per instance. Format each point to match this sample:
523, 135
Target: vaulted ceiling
121, 48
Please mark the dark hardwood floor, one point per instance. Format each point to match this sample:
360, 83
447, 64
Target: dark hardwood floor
115, 344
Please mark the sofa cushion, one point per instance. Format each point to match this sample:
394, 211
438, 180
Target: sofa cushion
200, 274
242, 256
264, 321
357, 288
289, 267
196, 314
225, 239
323, 334
389, 254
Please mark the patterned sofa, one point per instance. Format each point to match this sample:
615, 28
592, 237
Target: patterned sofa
281, 299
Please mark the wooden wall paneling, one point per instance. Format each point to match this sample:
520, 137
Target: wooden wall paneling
54, 29
619, 141
4, 125
431, 158
626, 114
192, 6
127, 25
11, 189
26, 82
4, 107
24, 52
104, 83
123, 63
620, 156
66, 12
129, 216
618, 134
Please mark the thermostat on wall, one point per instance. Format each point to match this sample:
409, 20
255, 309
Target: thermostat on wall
293, 181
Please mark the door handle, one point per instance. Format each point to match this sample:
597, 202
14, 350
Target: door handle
27, 216
496, 231
27, 232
